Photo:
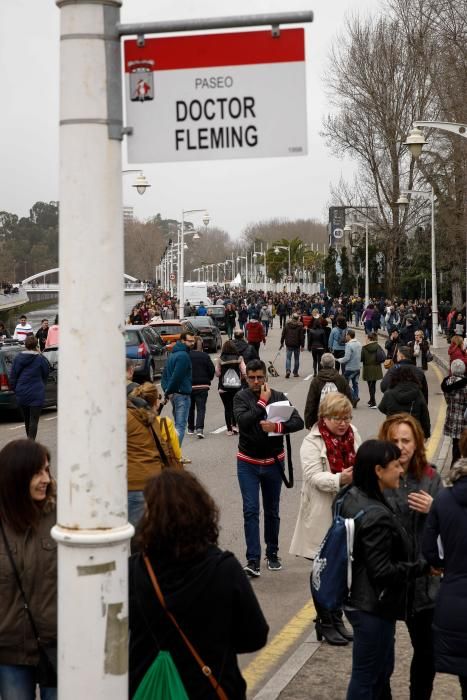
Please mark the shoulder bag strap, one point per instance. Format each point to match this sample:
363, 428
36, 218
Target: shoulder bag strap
160, 449
20, 586
288, 482
204, 668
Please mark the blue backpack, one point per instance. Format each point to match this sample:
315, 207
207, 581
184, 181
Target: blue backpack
331, 575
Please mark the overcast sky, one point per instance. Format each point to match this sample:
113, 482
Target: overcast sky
235, 192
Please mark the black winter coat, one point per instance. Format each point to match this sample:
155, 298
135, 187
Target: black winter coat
317, 339
248, 412
426, 587
407, 397
418, 373
314, 392
214, 604
293, 335
448, 520
382, 569
202, 370
248, 352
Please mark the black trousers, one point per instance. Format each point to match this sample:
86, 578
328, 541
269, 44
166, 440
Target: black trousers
31, 415
198, 406
372, 389
456, 451
317, 355
282, 320
227, 399
422, 668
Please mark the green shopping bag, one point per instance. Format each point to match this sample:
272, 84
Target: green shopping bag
161, 681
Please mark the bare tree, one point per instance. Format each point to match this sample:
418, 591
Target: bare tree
377, 92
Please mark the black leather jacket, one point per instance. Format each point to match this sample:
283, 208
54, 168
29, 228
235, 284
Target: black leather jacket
382, 570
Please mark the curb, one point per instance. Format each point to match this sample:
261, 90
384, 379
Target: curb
289, 669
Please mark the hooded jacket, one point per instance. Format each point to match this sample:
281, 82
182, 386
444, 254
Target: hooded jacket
406, 397
446, 525
28, 376
215, 606
176, 377
248, 352
314, 392
202, 369
293, 335
418, 373
371, 367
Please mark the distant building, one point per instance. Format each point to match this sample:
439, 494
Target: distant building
128, 214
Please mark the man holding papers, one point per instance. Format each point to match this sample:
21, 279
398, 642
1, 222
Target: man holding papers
263, 416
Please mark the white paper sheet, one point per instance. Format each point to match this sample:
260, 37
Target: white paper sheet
278, 412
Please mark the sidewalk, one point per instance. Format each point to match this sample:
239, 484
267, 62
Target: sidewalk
317, 671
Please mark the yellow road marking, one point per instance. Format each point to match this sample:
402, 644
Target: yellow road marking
278, 646
294, 629
437, 432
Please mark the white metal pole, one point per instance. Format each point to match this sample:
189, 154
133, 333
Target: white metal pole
92, 531
181, 296
434, 286
290, 273
367, 271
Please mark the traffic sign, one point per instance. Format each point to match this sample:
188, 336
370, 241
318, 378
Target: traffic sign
338, 233
172, 276
216, 96
289, 278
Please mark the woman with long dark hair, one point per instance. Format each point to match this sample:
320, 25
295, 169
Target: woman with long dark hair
204, 588
27, 514
381, 569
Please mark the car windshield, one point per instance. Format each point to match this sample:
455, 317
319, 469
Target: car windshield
202, 321
169, 329
132, 338
216, 311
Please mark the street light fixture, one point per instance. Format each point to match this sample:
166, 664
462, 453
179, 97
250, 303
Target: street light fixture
415, 145
404, 201
141, 184
181, 280
278, 248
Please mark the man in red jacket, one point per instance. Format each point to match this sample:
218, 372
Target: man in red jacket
255, 333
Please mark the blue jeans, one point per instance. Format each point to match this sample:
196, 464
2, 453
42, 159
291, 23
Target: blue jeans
296, 359
198, 405
252, 478
372, 656
180, 408
135, 507
352, 377
265, 326
18, 683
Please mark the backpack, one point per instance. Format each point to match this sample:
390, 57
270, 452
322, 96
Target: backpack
230, 376
331, 575
328, 388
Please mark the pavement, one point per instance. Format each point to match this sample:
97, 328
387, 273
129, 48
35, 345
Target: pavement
318, 671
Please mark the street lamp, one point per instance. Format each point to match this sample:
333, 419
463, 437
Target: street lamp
415, 142
245, 258
277, 248
141, 184
181, 289
404, 202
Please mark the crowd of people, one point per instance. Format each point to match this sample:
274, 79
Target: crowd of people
194, 600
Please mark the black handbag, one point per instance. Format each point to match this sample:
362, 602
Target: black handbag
46, 669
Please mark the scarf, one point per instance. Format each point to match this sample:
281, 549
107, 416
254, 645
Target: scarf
339, 451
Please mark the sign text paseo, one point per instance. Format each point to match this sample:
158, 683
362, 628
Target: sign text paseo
207, 97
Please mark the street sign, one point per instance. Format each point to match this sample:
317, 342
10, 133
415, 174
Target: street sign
338, 233
172, 276
216, 96
289, 278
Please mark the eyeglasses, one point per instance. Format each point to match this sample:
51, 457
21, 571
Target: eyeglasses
260, 378
338, 419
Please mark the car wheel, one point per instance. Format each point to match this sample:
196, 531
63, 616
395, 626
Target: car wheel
151, 374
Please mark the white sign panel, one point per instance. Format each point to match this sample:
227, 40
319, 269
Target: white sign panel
216, 96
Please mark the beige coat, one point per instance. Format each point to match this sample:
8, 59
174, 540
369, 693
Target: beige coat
319, 488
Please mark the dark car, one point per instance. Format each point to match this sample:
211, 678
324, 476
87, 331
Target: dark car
145, 346
8, 351
217, 313
208, 331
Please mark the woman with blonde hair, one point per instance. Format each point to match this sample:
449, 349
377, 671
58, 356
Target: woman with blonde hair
145, 442
327, 455
412, 502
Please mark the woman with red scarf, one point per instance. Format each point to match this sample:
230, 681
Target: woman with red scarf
327, 456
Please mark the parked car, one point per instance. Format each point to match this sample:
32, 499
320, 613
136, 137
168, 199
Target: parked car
208, 331
217, 313
170, 331
148, 349
8, 351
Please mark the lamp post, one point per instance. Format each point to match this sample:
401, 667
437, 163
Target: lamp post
140, 184
415, 142
404, 202
245, 258
181, 289
277, 248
